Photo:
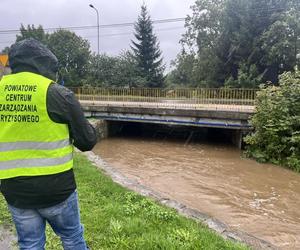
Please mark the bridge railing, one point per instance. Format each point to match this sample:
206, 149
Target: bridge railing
180, 97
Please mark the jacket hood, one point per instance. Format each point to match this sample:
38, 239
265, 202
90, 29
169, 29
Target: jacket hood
32, 56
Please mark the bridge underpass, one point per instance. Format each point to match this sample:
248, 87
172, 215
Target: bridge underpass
235, 120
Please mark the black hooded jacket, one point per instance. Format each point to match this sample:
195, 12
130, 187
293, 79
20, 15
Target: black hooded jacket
44, 191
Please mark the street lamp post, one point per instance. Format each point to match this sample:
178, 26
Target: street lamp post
92, 6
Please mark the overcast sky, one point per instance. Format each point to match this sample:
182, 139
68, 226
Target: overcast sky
70, 13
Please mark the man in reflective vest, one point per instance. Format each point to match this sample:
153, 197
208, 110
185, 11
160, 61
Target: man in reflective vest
40, 122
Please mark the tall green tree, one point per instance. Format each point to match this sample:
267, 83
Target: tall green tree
204, 26
146, 51
127, 71
114, 71
204, 29
101, 71
243, 43
244, 25
73, 53
281, 42
182, 74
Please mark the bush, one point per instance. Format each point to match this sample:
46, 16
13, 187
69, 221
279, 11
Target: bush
277, 123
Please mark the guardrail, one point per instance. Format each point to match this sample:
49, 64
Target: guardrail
184, 96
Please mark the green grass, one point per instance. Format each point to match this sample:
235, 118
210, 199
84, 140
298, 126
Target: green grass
115, 218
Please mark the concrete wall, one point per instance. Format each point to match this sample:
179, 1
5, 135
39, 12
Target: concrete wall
105, 128
101, 127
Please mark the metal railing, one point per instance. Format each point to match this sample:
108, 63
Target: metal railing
216, 98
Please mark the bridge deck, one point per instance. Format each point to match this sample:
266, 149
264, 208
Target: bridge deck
172, 105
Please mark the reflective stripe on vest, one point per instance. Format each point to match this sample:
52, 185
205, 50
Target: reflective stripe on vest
9, 146
30, 163
31, 144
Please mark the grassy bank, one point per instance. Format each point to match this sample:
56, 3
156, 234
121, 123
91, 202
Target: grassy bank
115, 218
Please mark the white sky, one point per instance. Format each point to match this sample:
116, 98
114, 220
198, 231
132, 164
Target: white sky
67, 13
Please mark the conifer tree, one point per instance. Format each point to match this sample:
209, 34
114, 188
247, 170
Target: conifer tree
147, 52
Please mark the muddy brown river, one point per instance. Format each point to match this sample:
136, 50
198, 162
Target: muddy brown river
260, 199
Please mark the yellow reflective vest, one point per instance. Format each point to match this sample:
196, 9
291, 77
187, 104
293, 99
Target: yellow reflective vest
31, 144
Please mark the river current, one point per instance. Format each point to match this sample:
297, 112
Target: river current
260, 199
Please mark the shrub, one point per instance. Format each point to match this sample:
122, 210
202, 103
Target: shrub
276, 137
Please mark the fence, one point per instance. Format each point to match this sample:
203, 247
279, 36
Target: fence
192, 98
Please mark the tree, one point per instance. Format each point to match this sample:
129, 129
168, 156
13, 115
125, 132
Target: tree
242, 43
146, 51
5, 50
73, 53
282, 41
245, 23
204, 29
127, 71
110, 71
32, 32
182, 74
101, 71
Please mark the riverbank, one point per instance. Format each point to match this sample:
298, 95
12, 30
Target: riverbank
115, 218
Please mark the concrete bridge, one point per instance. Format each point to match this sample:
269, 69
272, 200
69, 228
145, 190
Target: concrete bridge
218, 108
230, 117
210, 112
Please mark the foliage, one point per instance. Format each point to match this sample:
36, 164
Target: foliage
242, 43
110, 71
101, 71
281, 41
248, 77
127, 71
73, 53
182, 74
79, 67
5, 50
115, 218
277, 123
31, 31
134, 204
204, 26
146, 51
204, 29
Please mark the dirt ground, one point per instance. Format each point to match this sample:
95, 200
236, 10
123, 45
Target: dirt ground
7, 239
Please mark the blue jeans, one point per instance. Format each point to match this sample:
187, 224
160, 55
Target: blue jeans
64, 219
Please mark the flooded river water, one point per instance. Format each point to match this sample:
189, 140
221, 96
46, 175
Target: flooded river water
260, 199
